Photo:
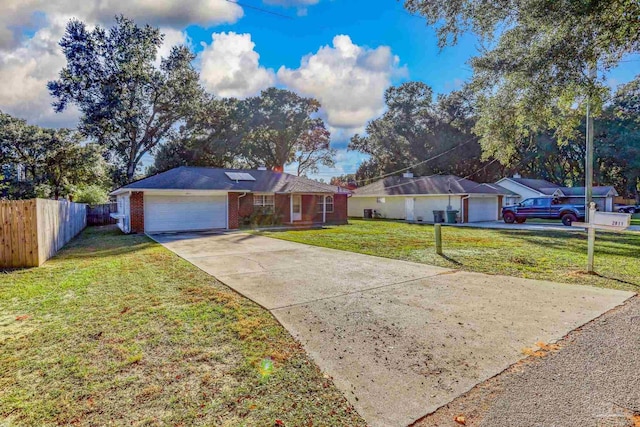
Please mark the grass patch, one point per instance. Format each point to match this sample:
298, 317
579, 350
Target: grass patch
118, 330
548, 255
635, 219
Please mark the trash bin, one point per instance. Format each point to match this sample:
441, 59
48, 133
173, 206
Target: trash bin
451, 216
438, 216
368, 213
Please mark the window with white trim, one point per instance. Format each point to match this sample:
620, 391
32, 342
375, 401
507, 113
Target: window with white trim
329, 202
264, 202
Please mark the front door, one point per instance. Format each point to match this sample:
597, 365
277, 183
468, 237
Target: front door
296, 208
409, 204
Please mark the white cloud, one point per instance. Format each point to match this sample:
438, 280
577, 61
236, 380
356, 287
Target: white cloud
30, 31
19, 14
230, 66
25, 71
171, 38
349, 80
300, 5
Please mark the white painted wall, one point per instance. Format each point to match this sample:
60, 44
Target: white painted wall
609, 204
524, 192
426, 205
483, 209
394, 206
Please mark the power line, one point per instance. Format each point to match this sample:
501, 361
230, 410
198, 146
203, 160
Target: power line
419, 163
248, 6
480, 170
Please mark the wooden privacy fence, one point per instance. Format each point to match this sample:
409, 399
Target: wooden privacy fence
32, 231
624, 201
101, 214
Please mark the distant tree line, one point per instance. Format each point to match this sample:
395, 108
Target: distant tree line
274, 129
521, 112
418, 126
49, 163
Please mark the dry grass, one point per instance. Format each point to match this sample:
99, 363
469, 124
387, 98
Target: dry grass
117, 330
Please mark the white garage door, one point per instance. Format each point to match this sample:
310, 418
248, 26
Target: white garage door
483, 209
184, 213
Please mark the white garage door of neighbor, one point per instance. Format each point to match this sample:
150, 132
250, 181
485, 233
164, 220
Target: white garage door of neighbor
184, 213
483, 209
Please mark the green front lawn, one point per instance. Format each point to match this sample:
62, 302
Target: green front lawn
557, 256
118, 330
635, 219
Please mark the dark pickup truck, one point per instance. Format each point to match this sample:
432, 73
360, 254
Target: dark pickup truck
545, 208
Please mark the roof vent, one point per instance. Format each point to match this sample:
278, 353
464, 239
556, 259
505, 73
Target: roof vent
517, 175
407, 175
262, 168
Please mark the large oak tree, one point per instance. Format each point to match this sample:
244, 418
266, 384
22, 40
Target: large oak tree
129, 104
533, 73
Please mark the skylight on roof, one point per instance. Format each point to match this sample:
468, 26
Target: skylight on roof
239, 176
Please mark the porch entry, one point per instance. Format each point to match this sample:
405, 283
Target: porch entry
296, 207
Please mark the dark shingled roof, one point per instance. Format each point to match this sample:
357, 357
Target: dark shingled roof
548, 188
200, 178
540, 185
597, 191
436, 184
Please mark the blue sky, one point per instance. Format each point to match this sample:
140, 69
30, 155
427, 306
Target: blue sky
378, 22
281, 41
242, 51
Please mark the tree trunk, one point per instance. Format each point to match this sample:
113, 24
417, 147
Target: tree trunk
131, 171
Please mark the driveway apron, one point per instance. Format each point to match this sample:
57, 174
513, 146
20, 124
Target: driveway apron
400, 339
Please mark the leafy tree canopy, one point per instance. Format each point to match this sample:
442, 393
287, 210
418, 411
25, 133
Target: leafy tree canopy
416, 127
128, 104
211, 136
275, 129
46, 162
533, 73
280, 128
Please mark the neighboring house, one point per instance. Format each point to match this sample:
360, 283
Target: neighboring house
526, 188
415, 198
197, 198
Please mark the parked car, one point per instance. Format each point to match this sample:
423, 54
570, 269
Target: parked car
627, 208
544, 208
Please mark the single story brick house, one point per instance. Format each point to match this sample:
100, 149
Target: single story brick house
415, 198
200, 198
525, 188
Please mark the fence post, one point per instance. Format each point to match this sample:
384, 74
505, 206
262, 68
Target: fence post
437, 228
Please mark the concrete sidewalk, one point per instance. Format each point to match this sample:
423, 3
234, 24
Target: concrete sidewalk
400, 339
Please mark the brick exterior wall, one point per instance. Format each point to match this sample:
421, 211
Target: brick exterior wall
283, 207
234, 216
339, 214
246, 205
136, 210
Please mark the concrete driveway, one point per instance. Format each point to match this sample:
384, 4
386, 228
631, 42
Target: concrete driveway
400, 339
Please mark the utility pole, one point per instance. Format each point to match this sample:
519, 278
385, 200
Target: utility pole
588, 167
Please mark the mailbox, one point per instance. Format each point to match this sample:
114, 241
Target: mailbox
612, 219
